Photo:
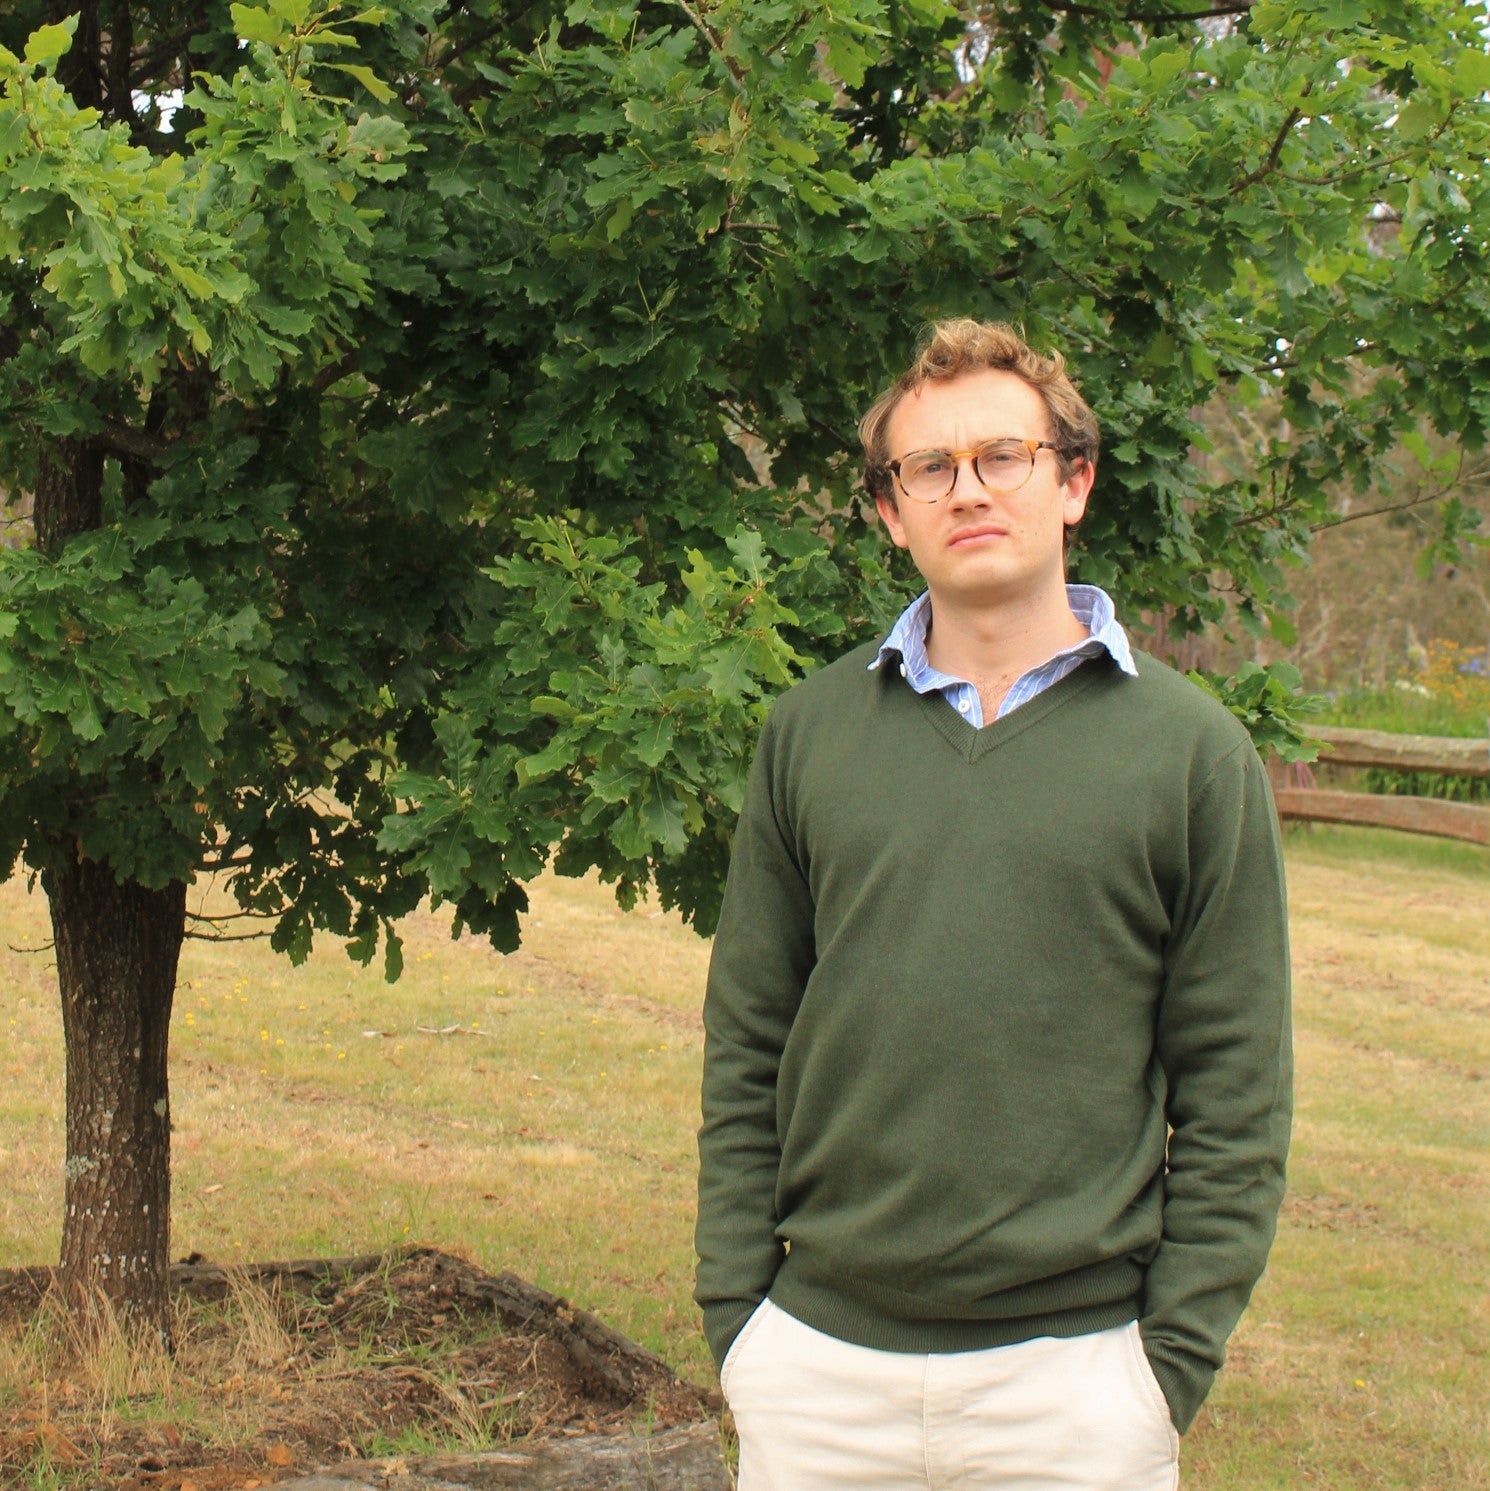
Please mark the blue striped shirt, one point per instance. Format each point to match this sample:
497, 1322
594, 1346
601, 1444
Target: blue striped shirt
1092, 608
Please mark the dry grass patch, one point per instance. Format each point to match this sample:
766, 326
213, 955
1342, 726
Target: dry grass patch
1361, 1366
537, 1113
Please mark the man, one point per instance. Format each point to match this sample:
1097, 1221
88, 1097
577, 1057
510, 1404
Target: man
997, 1076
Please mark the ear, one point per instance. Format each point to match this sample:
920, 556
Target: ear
890, 516
1075, 490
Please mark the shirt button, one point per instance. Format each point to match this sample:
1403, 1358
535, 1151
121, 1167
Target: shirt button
902, 670
964, 706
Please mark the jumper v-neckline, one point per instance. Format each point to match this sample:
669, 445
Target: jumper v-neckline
973, 742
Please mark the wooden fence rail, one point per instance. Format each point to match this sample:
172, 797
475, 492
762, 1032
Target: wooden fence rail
1435, 753
1423, 815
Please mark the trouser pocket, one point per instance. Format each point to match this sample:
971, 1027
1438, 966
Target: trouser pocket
732, 1356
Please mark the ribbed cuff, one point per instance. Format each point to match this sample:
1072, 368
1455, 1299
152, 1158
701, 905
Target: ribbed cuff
1184, 1385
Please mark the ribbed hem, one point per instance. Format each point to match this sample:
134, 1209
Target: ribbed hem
854, 1310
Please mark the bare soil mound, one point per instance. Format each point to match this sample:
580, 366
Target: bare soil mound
280, 1368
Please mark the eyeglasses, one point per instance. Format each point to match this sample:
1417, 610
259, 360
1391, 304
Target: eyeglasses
1001, 465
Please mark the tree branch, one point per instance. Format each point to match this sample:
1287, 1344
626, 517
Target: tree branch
1152, 18
227, 936
126, 440
1376, 512
1384, 163
471, 41
333, 373
121, 40
716, 45
145, 62
229, 916
478, 87
1271, 163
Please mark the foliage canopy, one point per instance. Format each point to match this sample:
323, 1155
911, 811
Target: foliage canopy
471, 391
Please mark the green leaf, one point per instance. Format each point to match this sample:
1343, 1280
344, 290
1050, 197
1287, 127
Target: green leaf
84, 719
445, 862
461, 749
556, 756
848, 57
292, 935
615, 784
258, 25
729, 669
663, 818
655, 740
47, 44
296, 12
393, 955
1418, 118
194, 283
1167, 66
368, 78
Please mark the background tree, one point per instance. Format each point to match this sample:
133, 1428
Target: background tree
439, 429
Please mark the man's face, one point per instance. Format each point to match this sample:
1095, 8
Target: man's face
977, 548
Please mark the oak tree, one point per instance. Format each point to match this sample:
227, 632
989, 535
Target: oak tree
429, 427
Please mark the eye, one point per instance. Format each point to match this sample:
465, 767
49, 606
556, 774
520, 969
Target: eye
1003, 456
927, 463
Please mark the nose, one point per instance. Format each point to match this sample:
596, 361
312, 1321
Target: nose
967, 487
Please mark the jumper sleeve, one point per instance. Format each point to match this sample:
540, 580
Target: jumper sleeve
763, 955
1224, 1045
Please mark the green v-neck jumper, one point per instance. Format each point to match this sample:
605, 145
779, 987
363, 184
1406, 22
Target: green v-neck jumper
997, 1023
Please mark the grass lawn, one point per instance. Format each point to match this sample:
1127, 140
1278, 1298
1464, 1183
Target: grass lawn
536, 1113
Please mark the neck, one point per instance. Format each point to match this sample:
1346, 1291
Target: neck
980, 642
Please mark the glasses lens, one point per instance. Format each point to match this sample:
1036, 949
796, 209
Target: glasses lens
927, 474
1004, 464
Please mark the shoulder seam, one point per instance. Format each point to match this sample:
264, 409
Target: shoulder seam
1205, 786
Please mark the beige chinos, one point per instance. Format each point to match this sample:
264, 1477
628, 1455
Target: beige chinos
817, 1414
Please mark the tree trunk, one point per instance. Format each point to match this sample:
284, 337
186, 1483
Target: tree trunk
117, 950
117, 953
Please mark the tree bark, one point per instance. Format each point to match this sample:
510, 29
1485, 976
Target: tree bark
80, 69
118, 946
69, 493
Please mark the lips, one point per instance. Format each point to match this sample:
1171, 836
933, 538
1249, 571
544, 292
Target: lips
981, 530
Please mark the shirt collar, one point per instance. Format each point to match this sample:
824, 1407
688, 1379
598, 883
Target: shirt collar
1091, 606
